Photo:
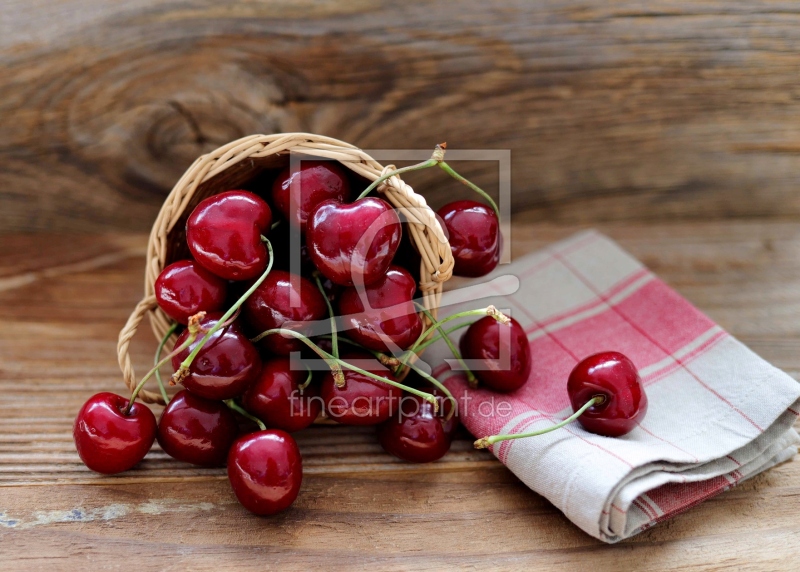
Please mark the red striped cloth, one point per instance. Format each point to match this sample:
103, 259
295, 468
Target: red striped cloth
717, 413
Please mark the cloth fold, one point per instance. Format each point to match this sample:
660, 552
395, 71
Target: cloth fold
718, 413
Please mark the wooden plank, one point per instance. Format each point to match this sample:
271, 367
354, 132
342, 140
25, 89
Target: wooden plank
612, 110
64, 297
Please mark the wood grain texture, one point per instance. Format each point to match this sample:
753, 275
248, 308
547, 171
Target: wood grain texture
612, 110
63, 299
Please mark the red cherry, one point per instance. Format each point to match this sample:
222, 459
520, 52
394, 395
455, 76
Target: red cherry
224, 234
314, 182
363, 400
225, 367
353, 242
265, 470
503, 351
184, 288
283, 297
474, 236
416, 433
275, 399
108, 440
390, 313
196, 430
614, 377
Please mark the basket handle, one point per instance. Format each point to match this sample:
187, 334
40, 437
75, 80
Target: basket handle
147, 305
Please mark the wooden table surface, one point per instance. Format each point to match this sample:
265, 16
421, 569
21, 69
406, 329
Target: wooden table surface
63, 299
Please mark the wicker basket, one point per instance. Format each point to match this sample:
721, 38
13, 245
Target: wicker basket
238, 162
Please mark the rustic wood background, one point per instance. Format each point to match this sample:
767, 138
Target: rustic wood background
673, 126
612, 109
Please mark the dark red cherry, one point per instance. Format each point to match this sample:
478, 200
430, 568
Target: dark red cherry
224, 234
276, 400
353, 243
614, 377
283, 297
184, 288
363, 400
225, 367
196, 430
502, 353
108, 440
416, 433
265, 471
474, 236
388, 315
295, 194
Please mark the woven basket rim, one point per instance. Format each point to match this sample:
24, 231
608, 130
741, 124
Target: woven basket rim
436, 265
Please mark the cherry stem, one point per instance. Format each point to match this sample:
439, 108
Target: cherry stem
184, 368
439, 337
386, 360
441, 387
419, 166
484, 442
334, 334
488, 311
233, 406
436, 159
157, 357
449, 170
306, 383
456, 354
336, 364
275, 225
149, 374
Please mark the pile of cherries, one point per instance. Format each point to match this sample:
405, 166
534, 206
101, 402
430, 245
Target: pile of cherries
248, 328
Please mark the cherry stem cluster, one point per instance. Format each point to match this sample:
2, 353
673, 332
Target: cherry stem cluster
488, 311
456, 354
336, 364
179, 375
436, 159
485, 442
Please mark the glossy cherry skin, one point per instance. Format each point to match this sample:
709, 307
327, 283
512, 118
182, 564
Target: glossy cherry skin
265, 471
363, 400
314, 182
283, 297
614, 377
276, 400
184, 288
417, 434
225, 367
474, 236
389, 315
224, 234
483, 341
108, 441
197, 430
353, 243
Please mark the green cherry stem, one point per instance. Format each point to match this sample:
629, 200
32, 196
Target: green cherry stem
432, 341
438, 155
306, 383
334, 334
487, 311
484, 442
386, 360
456, 354
233, 406
193, 331
157, 357
440, 386
183, 370
337, 364
449, 170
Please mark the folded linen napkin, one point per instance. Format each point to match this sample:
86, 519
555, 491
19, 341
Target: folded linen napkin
718, 413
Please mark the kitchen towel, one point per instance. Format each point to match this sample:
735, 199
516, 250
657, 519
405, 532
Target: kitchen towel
718, 413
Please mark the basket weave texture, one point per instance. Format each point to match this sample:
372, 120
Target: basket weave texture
239, 161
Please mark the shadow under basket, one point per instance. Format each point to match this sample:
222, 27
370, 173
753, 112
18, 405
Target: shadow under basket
238, 164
